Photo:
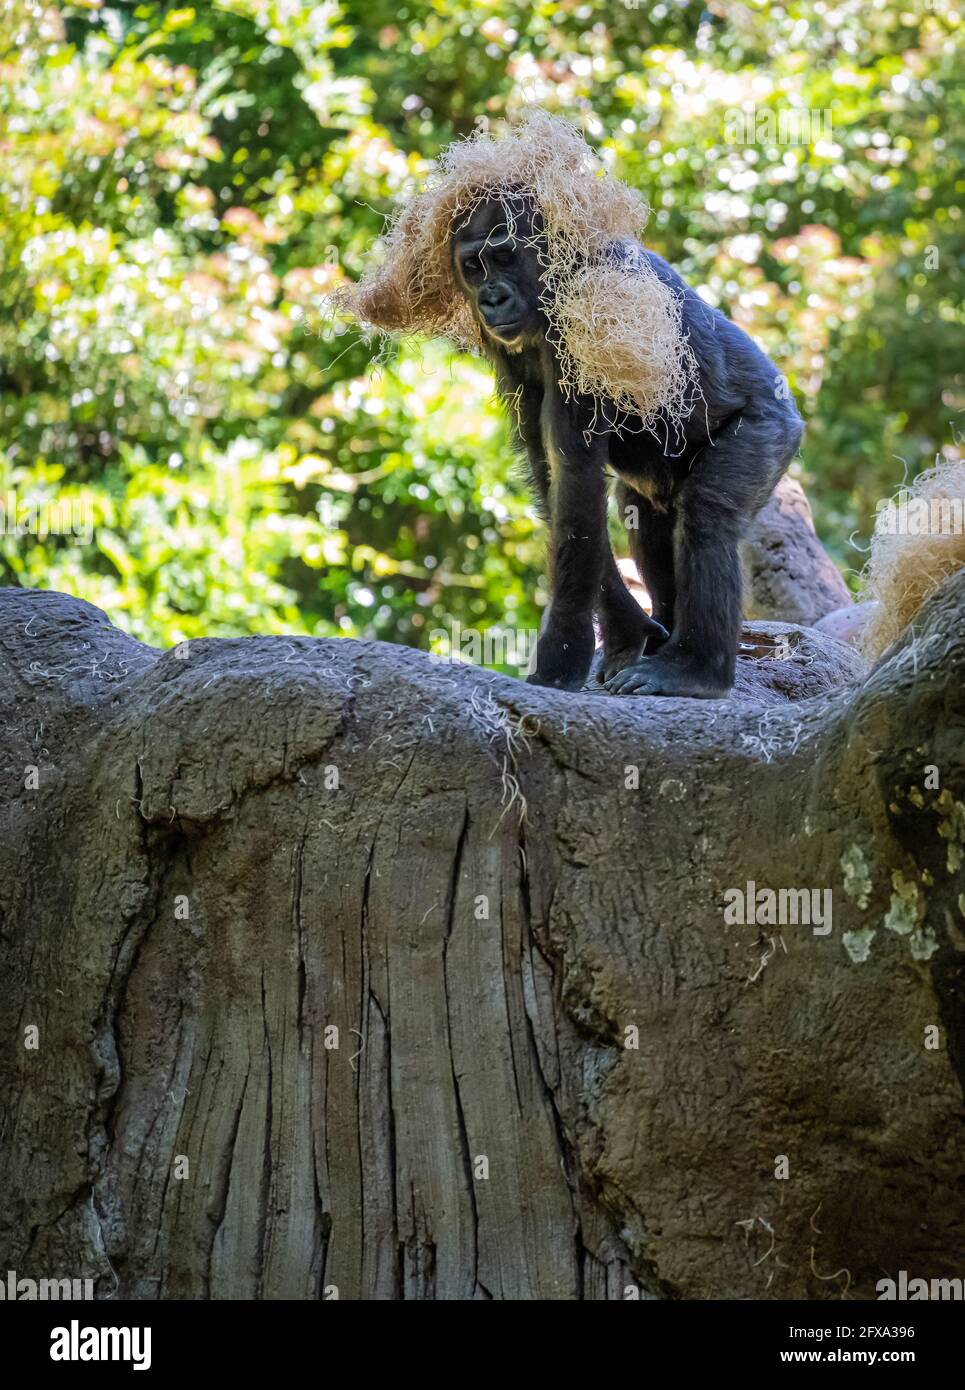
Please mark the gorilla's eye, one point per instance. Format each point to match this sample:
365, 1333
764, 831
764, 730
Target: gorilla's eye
502, 256
471, 266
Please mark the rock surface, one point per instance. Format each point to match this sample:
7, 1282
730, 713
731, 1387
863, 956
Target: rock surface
327, 967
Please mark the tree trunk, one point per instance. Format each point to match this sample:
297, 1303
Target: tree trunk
330, 970
790, 575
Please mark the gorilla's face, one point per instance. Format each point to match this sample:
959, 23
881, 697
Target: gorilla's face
497, 268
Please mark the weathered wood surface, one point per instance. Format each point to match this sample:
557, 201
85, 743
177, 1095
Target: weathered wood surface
189, 902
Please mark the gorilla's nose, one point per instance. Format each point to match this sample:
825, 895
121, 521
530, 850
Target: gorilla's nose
494, 302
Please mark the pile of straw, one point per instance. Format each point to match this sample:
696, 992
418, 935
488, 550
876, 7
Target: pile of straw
919, 541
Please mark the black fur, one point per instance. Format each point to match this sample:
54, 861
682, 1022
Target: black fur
687, 493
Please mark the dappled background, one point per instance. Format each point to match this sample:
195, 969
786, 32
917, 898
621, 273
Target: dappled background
181, 187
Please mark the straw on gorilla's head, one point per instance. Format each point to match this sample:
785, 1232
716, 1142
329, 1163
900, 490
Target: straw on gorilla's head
615, 326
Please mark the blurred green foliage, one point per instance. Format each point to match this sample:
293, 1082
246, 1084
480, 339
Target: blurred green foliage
181, 186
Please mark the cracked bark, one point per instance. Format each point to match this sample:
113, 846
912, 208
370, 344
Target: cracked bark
470, 1041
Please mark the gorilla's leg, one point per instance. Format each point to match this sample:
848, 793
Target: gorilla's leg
579, 549
700, 657
652, 548
728, 482
626, 627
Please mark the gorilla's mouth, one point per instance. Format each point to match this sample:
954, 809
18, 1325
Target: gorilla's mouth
507, 327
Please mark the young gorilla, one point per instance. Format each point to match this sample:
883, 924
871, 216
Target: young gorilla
685, 510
